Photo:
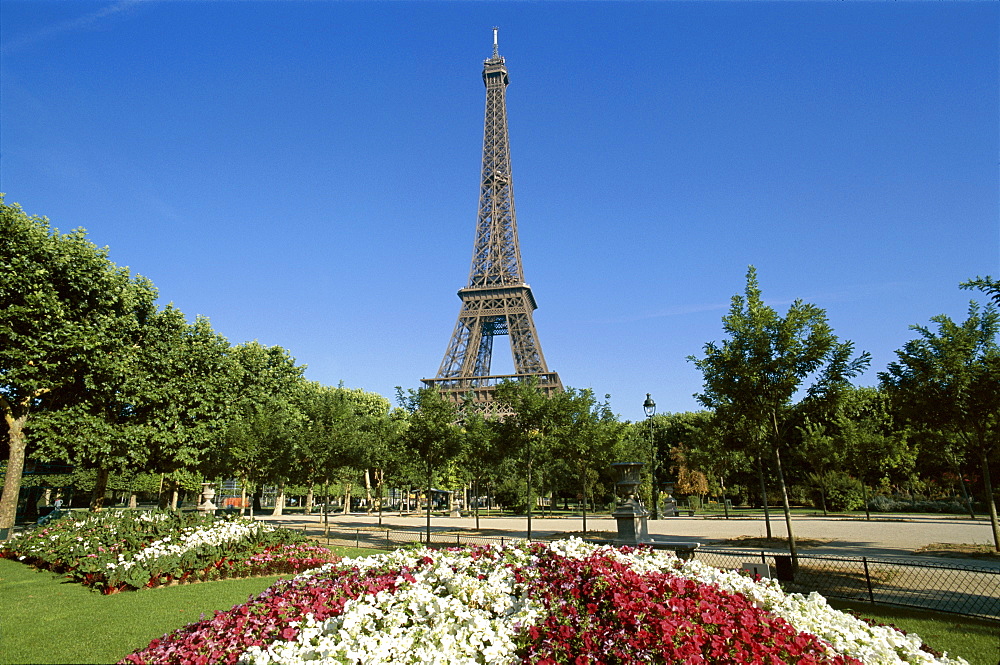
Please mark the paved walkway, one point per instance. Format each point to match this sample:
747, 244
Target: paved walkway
895, 536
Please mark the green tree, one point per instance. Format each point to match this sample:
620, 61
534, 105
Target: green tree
533, 417
187, 386
327, 443
432, 436
482, 452
263, 417
950, 380
67, 313
874, 447
753, 376
585, 434
987, 285
822, 455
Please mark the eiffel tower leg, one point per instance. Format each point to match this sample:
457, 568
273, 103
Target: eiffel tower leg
451, 366
524, 346
484, 358
474, 348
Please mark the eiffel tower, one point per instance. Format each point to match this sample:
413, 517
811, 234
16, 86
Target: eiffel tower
497, 301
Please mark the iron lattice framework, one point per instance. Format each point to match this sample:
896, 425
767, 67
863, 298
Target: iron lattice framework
497, 301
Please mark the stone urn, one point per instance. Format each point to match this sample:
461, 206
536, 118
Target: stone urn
630, 515
207, 494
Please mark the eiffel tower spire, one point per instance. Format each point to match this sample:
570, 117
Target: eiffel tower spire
497, 301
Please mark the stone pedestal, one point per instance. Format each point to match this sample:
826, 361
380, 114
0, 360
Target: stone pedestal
631, 518
630, 515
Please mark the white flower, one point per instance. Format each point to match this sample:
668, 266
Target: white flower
449, 615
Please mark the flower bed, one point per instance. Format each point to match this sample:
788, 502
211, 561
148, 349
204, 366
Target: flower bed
566, 602
116, 551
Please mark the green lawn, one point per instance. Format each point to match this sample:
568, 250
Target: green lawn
976, 641
46, 619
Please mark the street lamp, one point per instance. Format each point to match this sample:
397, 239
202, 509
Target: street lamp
649, 406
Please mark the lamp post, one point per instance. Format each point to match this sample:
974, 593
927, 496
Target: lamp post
649, 406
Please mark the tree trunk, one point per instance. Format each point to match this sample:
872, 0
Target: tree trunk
326, 499
864, 495
725, 504
98, 498
476, 500
788, 511
991, 505
379, 491
309, 500
173, 494
430, 481
784, 495
965, 491
347, 498
529, 499
162, 500
279, 500
15, 468
243, 496
763, 496
368, 492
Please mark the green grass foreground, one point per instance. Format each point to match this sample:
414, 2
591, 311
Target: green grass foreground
977, 641
47, 619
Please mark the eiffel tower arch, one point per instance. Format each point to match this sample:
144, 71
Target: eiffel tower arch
497, 301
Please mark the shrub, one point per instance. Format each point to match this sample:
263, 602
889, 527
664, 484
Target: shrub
844, 493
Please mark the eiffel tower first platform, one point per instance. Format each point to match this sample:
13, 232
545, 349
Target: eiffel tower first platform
497, 301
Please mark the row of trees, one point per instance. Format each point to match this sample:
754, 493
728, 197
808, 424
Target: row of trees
94, 374
780, 387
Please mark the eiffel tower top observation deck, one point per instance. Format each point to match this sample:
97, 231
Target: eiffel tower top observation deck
497, 301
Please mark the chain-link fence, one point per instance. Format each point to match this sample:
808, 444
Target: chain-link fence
959, 589
955, 588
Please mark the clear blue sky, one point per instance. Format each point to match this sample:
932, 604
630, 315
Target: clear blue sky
306, 173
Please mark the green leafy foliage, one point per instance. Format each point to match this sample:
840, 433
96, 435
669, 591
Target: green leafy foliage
752, 377
69, 320
949, 380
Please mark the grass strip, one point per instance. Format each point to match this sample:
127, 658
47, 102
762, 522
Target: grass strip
47, 619
977, 641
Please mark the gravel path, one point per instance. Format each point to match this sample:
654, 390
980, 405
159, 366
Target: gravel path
895, 536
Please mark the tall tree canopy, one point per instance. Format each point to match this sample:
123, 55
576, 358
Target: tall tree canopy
432, 435
949, 379
68, 315
753, 376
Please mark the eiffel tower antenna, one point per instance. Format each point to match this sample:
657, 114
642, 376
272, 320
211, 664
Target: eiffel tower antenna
496, 301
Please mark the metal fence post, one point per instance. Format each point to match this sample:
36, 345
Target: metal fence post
868, 580
357, 537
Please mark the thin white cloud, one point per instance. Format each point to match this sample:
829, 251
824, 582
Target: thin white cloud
79, 24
